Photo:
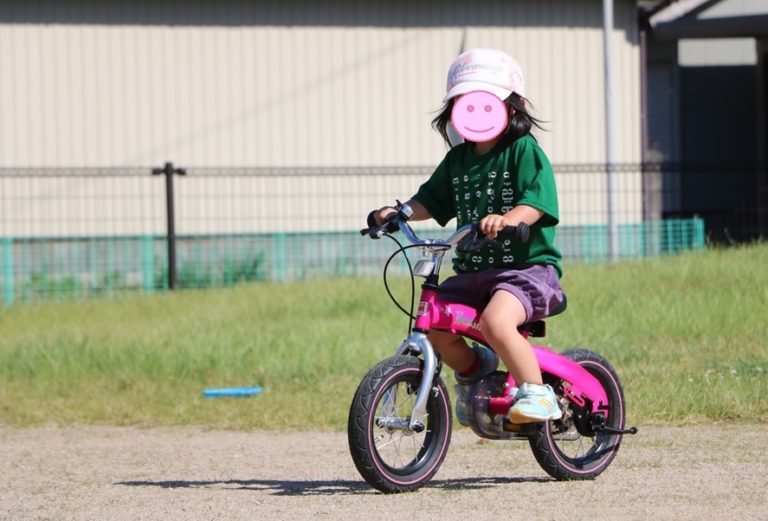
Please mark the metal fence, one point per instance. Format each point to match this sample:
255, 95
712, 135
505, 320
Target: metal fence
72, 233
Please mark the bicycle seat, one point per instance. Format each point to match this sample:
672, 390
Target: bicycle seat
538, 328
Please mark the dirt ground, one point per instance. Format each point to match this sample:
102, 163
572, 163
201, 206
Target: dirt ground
705, 472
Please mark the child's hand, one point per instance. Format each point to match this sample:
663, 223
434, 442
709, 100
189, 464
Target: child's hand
492, 224
418, 213
381, 214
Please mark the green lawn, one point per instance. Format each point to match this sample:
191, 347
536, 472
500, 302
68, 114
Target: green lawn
687, 334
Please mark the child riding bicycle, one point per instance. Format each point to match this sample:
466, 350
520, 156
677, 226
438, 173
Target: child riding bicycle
500, 177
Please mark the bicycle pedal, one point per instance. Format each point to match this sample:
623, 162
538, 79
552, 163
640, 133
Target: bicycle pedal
521, 428
512, 427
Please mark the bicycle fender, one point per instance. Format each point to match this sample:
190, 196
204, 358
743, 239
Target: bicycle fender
582, 383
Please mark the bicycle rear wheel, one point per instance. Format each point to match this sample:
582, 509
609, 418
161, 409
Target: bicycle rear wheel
390, 456
571, 448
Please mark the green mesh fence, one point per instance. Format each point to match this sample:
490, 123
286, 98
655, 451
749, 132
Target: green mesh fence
34, 269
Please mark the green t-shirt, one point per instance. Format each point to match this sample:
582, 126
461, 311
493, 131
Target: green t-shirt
469, 187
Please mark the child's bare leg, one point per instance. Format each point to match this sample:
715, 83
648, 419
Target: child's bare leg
499, 323
534, 401
453, 349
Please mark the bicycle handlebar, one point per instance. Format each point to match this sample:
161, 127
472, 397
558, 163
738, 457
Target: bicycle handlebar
398, 220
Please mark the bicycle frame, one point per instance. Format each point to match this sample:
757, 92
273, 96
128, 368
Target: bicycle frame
434, 313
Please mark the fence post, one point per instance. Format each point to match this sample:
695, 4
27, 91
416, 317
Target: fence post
8, 279
279, 257
148, 263
168, 171
699, 233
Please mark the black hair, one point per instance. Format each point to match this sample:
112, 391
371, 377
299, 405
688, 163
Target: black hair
520, 121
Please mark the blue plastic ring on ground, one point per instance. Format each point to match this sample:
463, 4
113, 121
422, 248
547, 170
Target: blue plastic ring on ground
231, 392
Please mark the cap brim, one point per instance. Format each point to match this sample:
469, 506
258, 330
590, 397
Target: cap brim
472, 86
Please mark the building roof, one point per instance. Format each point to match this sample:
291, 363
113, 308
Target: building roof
673, 19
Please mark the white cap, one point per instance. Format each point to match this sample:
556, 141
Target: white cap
488, 70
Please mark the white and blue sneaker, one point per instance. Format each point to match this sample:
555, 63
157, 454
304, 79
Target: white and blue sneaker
489, 362
535, 403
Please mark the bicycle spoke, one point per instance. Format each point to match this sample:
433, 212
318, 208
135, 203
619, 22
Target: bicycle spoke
397, 404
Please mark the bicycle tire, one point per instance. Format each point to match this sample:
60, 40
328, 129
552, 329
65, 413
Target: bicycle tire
397, 460
559, 446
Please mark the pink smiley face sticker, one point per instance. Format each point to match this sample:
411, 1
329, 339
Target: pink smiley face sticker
479, 116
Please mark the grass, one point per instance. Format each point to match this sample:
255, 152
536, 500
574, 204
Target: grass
687, 334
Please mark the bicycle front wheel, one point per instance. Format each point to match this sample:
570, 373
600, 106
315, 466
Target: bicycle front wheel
388, 454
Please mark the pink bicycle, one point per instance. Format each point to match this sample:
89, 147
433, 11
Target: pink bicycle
400, 419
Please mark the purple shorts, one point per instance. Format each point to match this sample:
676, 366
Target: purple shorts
536, 286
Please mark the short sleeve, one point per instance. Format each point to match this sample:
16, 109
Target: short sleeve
436, 194
536, 180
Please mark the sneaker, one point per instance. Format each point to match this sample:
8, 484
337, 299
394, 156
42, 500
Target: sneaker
535, 403
489, 362
462, 391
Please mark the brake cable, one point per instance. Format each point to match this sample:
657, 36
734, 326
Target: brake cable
401, 249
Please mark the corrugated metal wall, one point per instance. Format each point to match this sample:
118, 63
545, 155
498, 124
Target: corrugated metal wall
336, 84
291, 83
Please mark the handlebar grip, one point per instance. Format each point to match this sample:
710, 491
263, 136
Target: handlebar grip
371, 220
520, 233
373, 230
390, 225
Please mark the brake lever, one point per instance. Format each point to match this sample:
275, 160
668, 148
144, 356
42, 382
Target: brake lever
474, 241
374, 232
474, 245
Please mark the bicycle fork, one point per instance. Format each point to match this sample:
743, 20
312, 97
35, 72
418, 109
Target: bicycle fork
418, 343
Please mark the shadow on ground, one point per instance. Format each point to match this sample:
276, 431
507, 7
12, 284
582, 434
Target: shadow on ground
320, 487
